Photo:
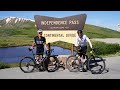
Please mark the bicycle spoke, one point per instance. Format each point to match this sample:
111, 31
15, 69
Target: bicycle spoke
71, 64
27, 64
51, 64
96, 65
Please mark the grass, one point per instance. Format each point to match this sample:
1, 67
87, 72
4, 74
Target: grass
14, 65
17, 37
20, 40
23, 36
62, 44
99, 32
103, 48
4, 65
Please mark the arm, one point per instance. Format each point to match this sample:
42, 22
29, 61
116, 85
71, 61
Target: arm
89, 41
76, 44
33, 44
46, 45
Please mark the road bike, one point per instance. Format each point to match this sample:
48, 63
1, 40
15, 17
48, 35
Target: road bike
48, 62
93, 63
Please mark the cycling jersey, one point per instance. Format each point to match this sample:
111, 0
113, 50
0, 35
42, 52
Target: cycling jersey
39, 41
82, 41
39, 45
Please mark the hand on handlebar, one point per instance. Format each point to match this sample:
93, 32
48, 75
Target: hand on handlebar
31, 48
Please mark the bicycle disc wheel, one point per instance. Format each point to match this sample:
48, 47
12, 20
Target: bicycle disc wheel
27, 64
51, 64
96, 65
71, 65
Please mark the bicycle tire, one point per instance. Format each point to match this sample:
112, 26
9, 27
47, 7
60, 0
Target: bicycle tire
94, 60
71, 67
47, 62
29, 62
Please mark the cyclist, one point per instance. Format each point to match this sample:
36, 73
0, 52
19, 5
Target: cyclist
39, 42
81, 42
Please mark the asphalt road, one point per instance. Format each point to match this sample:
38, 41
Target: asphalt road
113, 63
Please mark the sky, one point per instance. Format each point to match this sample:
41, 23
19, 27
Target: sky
107, 19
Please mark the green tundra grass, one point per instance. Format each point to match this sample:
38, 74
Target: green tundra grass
24, 36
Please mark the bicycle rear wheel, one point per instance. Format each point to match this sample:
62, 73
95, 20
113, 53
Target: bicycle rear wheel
96, 65
27, 64
51, 64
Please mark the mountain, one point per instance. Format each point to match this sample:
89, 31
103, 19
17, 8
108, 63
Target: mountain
12, 22
11, 26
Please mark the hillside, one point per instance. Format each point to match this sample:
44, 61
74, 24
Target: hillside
99, 32
18, 31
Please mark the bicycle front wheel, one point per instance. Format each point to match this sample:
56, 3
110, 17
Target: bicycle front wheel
96, 65
27, 64
71, 64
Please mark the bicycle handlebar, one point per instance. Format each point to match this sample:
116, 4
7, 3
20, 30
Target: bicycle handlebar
93, 50
46, 52
30, 49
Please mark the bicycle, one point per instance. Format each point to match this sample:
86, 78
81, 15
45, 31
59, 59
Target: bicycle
93, 63
48, 62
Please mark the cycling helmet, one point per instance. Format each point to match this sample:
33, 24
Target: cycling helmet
40, 30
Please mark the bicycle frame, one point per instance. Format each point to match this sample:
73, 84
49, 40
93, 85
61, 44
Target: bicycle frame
48, 53
91, 61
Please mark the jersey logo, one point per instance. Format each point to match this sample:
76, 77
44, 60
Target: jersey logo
39, 42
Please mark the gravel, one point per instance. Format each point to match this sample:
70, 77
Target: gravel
108, 40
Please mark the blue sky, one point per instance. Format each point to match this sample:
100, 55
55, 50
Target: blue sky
109, 19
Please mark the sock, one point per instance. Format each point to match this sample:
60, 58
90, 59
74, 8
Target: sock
83, 60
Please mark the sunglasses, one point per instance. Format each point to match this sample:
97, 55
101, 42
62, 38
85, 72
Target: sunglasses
40, 32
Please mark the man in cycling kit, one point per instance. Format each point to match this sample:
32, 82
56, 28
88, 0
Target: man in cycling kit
81, 41
40, 42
